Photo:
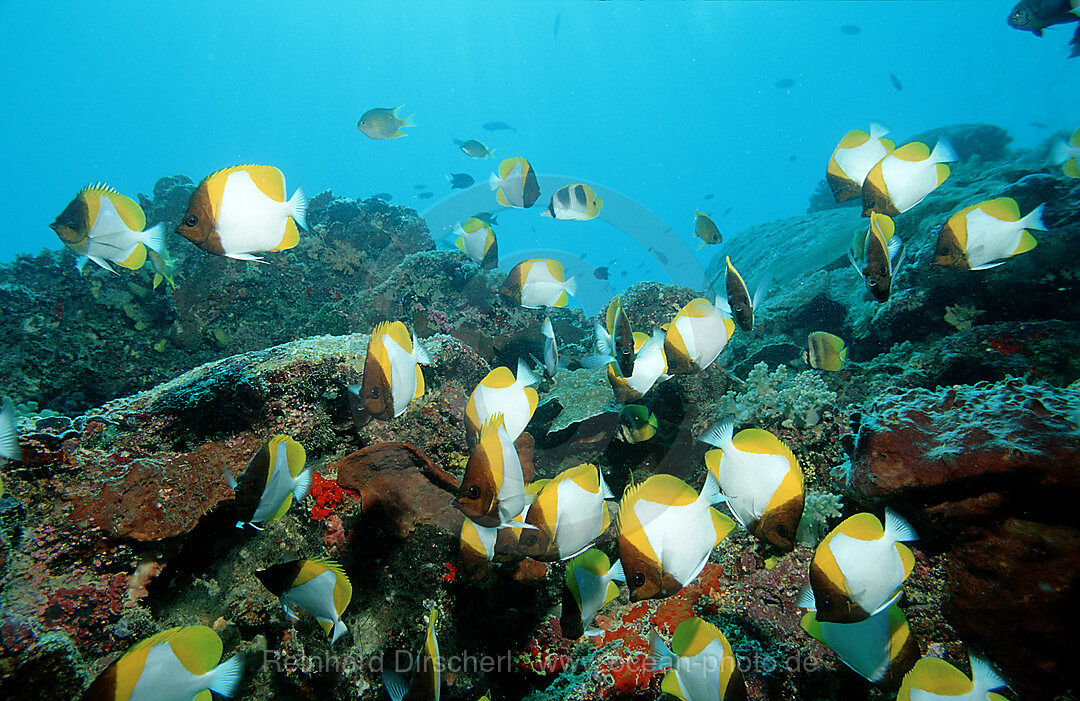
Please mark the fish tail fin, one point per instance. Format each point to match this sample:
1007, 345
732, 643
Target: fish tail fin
1060, 153
605, 490
494, 181
526, 376
598, 360
395, 685
722, 304
339, 630
720, 433
546, 330
421, 353
616, 571
229, 478
710, 491
983, 674
878, 130
225, 678
9, 433
805, 598
298, 208
1034, 220
943, 152
570, 286
897, 529
154, 238
303, 483
897, 250
761, 291
660, 657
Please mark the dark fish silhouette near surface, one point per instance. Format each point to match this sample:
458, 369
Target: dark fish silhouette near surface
424, 195
498, 126
460, 181
384, 196
601, 273
785, 83
895, 81
850, 29
1036, 15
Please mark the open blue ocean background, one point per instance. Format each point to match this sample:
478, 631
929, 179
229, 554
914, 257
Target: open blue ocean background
731, 108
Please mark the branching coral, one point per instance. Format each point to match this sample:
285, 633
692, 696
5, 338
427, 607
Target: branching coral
818, 508
779, 395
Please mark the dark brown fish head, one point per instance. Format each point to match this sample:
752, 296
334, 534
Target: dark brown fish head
624, 344
530, 189
475, 565
72, 225
478, 495
197, 224
833, 604
948, 252
375, 394
570, 620
644, 576
537, 543
843, 188
877, 270
279, 579
491, 257
738, 297
875, 200
778, 526
511, 287
1025, 18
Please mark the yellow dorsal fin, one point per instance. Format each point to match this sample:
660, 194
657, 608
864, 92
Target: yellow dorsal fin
197, 647
889, 145
884, 225
585, 475
128, 209
667, 489
1003, 209
864, 526
915, 151
756, 440
698, 308
499, 378
397, 331
268, 179
536, 486
507, 166
692, 636
294, 452
640, 337
854, 138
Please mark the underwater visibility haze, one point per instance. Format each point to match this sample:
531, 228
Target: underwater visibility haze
560, 350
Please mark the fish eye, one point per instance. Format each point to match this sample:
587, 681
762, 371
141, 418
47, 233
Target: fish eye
871, 282
639, 579
373, 392
943, 251
783, 531
191, 220
473, 492
825, 605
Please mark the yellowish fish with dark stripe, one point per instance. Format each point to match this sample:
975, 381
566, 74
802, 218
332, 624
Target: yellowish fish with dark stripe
697, 335
854, 156
878, 256
570, 513
650, 367
473, 148
825, 351
318, 586
240, 211
859, 569
426, 683
476, 239
761, 479
178, 664
702, 666
275, 476
106, 227
984, 235
706, 230
539, 282
667, 532
492, 491
383, 123
515, 184
739, 304
902, 179
614, 340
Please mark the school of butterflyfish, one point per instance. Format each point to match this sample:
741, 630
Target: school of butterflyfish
665, 529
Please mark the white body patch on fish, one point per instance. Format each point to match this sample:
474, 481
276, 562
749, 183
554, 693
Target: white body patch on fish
541, 288
165, 678
872, 569
512, 498
279, 485
699, 676
402, 373
704, 337
857, 162
749, 481
316, 596
248, 221
681, 536
990, 239
579, 519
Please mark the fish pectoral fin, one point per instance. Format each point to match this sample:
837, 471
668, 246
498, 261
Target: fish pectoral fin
245, 256
987, 266
854, 264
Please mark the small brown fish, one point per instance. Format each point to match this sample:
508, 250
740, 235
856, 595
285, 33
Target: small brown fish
883, 254
740, 305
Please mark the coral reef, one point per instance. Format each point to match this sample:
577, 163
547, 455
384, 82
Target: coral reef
779, 396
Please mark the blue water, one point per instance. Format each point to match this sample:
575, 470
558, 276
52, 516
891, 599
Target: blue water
665, 103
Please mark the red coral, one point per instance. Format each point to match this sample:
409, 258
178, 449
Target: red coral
451, 572
1007, 345
328, 495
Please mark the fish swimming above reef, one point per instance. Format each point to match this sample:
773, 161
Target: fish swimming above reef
1036, 15
551, 348
739, 304
590, 584
574, 203
106, 227
880, 648
761, 479
697, 335
615, 342
473, 148
498, 126
895, 81
424, 195
240, 211
163, 265
1067, 155
568, 515
481, 546
383, 123
492, 492
702, 665
825, 351
392, 374
853, 158
502, 394
650, 367
426, 684
636, 424
318, 586
706, 230
476, 239
515, 184
878, 256
9, 433
178, 664
275, 476
488, 217
667, 532
902, 179
460, 181
932, 678
601, 273
859, 569
538, 282
983, 235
